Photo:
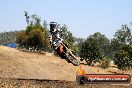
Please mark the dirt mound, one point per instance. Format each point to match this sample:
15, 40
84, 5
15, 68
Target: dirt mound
18, 64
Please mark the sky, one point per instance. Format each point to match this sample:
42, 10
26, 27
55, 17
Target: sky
83, 17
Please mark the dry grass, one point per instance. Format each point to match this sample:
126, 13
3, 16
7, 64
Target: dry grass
18, 64
27, 65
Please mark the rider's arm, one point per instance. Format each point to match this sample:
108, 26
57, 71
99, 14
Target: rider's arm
60, 32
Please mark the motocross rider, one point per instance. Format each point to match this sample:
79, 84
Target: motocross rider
55, 35
59, 46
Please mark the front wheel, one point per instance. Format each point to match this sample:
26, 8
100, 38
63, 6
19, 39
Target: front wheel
73, 59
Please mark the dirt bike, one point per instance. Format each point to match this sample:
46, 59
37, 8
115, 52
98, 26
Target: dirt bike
64, 52
62, 49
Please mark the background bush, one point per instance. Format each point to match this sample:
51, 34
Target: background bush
35, 36
105, 62
123, 58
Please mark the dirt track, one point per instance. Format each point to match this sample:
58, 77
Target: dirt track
25, 65
22, 83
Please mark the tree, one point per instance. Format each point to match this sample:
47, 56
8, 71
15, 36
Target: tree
68, 38
123, 58
105, 62
103, 44
95, 47
121, 47
121, 37
79, 42
45, 24
90, 51
22, 39
67, 35
8, 37
27, 17
35, 35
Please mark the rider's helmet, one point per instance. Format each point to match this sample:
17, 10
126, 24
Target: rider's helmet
53, 26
